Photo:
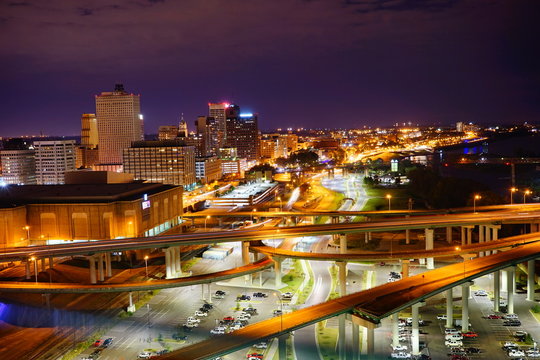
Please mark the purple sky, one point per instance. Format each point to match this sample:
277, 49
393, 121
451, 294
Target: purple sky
318, 63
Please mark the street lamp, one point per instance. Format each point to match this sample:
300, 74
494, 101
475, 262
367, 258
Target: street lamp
389, 197
512, 191
280, 208
27, 228
146, 265
525, 193
33, 258
206, 218
254, 210
476, 197
281, 308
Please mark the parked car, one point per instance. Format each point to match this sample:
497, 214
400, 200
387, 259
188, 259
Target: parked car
473, 350
144, 355
260, 294
243, 297
493, 316
261, 345
516, 353
480, 293
278, 312
98, 342
453, 342
469, 334
287, 296
217, 331
201, 313
400, 355
512, 323
250, 310
399, 347
108, 342
442, 317
192, 319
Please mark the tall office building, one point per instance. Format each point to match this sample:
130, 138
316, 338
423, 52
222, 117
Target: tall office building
89, 131
53, 159
167, 132
207, 130
119, 122
167, 161
182, 128
243, 134
219, 112
17, 163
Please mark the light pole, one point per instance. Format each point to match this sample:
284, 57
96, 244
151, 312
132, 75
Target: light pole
27, 228
33, 258
280, 308
146, 265
459, 249
525, 193
389, 197
476, 197
512, 191
206, 218
254, 210
280, 208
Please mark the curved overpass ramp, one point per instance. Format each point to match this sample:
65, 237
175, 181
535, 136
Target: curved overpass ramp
53, 288
373, 304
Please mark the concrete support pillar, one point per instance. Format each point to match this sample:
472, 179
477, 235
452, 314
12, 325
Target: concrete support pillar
449, 234
488, 237
92, 267
101, 273
51, 262
369, 236
371, 343
463, 239
245, 259
395, 329
342, 275
530, 280
342, 338
342, 243
415, 336
429, 246
407, 236
168, 264
282, 347
108, 264
495, 235
355, 341
366, 237
496, 290
27, 269
422, 261
510, 278
449, 308
43, 264
405, 268
277, 271
481, 231
131, 307
469, 235
465, 307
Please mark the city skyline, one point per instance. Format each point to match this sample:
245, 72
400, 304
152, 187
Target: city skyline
359, 62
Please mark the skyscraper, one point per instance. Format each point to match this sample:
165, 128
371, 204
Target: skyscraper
119, 122
219, 112
17, 163
89, 131
53, 159
207, 130
243, 134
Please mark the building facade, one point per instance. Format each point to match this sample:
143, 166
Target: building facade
17, 163
167, 132
119, 122
167, 162
53, 158
208, 169
243, 134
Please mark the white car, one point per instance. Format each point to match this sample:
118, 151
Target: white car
451, 331
287, 296
453, 337
261, 345
217, 331
402, 338
511, 317
399, 347
192, 319
246, 314
453, 343
442, 317
516, 353
533, 353
144, 355
400, 355
480, 293
200, 313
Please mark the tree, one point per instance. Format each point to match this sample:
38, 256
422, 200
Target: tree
304, 158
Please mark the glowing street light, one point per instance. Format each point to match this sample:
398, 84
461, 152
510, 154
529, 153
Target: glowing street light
512, 191
525, 193
206, 218
33, 258
27, 228
476, 197
389, 197
146, 265
254, 210
280, 207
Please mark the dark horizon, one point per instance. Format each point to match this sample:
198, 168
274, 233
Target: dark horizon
295, 63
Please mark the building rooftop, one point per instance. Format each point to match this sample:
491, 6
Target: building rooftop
16, 195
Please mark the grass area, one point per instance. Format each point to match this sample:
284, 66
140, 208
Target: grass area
334, 293
378, 201
293, 278
327, 340
80, 347
302, 297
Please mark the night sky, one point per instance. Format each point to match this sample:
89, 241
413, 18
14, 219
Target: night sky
318, 63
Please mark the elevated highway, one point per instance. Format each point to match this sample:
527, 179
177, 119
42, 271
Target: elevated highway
371, 305
393, 224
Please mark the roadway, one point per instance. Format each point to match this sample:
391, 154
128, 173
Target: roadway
373, 304
53, 288
92, 247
